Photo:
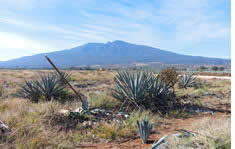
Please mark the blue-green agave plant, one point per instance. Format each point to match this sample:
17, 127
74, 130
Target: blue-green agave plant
144, 129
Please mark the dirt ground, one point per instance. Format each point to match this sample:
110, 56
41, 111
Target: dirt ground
214, 77
170, 127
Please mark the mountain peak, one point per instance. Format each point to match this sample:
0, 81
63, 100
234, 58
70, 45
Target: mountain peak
119, 42
115, 52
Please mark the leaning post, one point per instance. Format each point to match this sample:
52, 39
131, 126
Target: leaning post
80, 96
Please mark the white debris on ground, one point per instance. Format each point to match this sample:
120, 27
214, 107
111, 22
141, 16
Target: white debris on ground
4, 129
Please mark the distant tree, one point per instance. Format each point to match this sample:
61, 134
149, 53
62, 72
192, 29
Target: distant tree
214, 68
221, 68
203, 68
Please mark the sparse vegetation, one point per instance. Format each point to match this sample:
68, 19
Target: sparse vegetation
210, 133
103, 101
42, 125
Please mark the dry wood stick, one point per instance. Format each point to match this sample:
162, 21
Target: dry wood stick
80, 95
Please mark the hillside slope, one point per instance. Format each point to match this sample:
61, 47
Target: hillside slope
116, 52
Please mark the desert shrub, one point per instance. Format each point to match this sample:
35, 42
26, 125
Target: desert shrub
170, 76
142, 90
188, 80
1, 90
203, 68
221, 68
47, 87
214, 68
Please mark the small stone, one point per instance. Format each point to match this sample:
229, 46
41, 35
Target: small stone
64, 112
126, 115
89, 123
4, 129
118, 122
79, 110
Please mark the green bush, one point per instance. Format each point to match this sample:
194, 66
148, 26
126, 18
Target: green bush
141, 89
203, 68
221, 68
47, 87
215, 68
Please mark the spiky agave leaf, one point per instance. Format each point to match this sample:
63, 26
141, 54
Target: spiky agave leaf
144, 129
187, 80
29, 90
47, 85
140, 89
131, 86
50, 85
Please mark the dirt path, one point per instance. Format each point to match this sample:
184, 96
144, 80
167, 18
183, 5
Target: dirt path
213, 77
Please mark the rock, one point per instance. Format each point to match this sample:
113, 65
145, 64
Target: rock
87, 123
98, 111
184, 133
126, 115
159, 143
122, 114
64, 112
79, 110
4, 129
118, 122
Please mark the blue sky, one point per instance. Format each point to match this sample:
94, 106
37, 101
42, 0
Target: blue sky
192, 27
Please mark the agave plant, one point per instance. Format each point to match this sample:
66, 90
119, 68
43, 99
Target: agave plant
157, 87
139, 89
29, 90
144, 129
159, 96
187, 80
47, 86
131, 86
50, 86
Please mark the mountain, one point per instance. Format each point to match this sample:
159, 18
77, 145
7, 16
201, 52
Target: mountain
116, 52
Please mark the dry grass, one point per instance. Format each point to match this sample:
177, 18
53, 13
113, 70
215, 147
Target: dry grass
32, 125
222, 88
92, 75
211, 133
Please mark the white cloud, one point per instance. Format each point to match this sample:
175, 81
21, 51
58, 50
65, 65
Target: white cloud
152, 23
14, 41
